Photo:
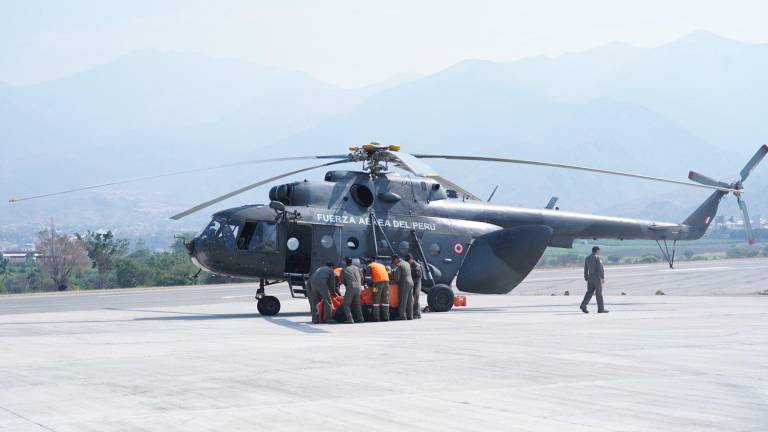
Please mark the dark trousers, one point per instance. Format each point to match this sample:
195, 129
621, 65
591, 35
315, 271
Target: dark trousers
352, 304
416, 294
405, 299
315, 295
381, 301
596, 288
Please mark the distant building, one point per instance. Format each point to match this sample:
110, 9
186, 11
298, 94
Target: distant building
20, 256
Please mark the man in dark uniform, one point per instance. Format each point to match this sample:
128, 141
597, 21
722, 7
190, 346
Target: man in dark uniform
321, 284
402, 277
416, 275
352, 278
595, 276
380, 281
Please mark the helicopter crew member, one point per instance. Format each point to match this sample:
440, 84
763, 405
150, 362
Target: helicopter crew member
402, 275
352, 278
595, 276
321, 284
380, 280
416, 275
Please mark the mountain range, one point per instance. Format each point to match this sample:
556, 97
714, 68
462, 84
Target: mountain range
694, 103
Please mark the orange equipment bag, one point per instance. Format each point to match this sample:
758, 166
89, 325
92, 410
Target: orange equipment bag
366, 297
460, 300
336, 302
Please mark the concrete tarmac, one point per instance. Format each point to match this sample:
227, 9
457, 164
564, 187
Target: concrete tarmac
201, 358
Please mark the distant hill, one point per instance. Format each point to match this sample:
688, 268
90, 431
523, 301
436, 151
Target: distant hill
694, 103
709, 84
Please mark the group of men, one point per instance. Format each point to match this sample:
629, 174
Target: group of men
406, 273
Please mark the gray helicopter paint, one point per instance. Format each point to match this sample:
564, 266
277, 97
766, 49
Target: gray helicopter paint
446, 228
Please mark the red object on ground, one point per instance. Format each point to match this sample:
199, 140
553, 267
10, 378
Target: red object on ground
460, 300
336, 302
366, 297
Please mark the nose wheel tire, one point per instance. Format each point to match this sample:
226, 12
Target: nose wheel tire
268, 305
440, 298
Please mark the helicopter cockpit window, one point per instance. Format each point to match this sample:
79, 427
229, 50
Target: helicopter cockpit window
209, 232
258, 237
227, 234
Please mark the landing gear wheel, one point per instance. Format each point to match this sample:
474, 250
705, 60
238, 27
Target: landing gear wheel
440, 298
268, 305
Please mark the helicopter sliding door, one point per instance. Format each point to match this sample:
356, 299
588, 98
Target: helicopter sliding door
298, 248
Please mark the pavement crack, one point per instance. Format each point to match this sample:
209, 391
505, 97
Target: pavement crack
26, 419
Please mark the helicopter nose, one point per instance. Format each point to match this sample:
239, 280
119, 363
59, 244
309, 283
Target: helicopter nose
190, 245
198, 253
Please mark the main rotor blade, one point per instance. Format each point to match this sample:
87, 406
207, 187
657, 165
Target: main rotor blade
702, 179
759, 155
174, 173
410, 163
572, 167
747, 222
249, 187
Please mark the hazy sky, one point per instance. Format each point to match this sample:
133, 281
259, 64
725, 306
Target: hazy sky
348, 43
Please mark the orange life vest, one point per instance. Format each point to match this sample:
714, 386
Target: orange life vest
378, 272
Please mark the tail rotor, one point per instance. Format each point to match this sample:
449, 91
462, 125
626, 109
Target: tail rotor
737, 186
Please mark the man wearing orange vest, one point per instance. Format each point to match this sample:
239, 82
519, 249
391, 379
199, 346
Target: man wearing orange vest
380, 280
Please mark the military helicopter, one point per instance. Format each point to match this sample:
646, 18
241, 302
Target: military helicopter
485, 248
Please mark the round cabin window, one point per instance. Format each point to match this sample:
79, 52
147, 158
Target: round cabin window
292, 244
362, 195
353, 243
434, 249
327, 241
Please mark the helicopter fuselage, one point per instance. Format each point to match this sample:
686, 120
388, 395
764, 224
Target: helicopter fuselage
355, 214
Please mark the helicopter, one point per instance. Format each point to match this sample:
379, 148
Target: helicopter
460, 238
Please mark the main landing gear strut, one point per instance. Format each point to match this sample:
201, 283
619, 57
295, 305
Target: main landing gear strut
266, 304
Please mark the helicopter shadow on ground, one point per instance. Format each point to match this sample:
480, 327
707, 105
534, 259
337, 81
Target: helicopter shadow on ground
193, 316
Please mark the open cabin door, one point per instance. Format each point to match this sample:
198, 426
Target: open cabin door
298, 248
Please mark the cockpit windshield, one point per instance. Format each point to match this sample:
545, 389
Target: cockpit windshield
220, 231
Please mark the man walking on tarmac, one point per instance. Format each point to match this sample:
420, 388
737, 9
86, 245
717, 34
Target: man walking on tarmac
595, 276
321, 284
402, 277
380, 280
352, 278
416, 274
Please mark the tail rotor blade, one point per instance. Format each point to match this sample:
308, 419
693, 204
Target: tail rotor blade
759, 155
702, 179
747, 223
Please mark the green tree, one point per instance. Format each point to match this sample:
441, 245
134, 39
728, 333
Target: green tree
104, 249
688, 254
4, 274
133, 271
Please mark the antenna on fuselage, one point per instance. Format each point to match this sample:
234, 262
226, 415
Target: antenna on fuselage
551, 203
495, 188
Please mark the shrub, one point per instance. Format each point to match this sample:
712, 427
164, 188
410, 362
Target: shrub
648, 258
